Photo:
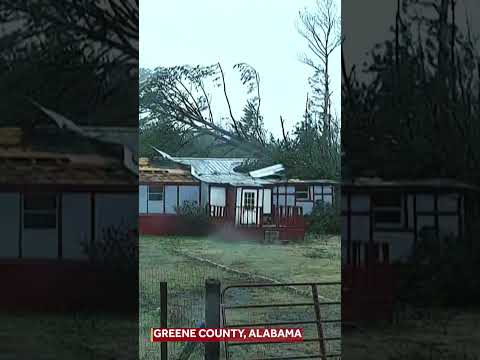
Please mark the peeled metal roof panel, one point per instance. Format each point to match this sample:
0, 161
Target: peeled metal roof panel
268, 171
212, 166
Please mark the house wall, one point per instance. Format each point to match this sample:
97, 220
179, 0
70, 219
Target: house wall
170, 198
115, 210
204, 194
173, 197
248, 216
73, 225
284, 195
76, 224
442, 212
40, 243
10, 219
218, 195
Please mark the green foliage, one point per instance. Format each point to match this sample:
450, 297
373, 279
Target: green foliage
177, 116
324, 219
416, 114
194, 218
117, 250
445, 273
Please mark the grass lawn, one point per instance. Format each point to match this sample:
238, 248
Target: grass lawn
163, 259
434, 339
80, 336
312, 260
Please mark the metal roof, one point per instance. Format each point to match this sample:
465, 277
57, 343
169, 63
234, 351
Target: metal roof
268, 171
221, 171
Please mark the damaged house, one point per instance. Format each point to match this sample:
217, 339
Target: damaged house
261, 203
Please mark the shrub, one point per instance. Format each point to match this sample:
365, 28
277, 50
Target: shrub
324, 219
444, 273
117, 250
194, 218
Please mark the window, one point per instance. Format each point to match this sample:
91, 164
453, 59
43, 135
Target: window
388, 209
40, 211
155, 193
301, 192
249, 200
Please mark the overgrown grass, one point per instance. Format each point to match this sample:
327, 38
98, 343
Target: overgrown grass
161, 259
445, 335
67, 336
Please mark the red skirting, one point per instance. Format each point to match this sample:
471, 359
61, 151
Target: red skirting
368, 293
65, 286
171, 224
164, 224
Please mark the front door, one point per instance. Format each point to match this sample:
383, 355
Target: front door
249, 207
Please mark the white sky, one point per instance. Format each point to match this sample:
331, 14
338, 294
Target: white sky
261, 33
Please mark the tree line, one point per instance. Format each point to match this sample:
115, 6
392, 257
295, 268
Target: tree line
177, 109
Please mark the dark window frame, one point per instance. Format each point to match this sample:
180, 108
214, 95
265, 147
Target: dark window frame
303, 194
158, 192
37, 213
388, 210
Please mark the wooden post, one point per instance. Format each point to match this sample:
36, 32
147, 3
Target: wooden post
212, 316
163, 318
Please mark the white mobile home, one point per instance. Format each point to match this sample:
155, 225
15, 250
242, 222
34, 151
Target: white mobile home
261, 200
394, 216
59, 191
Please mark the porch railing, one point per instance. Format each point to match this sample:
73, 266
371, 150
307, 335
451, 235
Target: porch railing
284, 216
215, 211
280, 216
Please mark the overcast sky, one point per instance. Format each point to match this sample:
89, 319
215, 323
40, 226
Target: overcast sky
261, 33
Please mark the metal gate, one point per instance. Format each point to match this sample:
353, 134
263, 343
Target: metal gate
322, 339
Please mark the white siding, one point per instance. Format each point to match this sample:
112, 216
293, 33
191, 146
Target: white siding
170, 198
239, 197
155, 207
448, 202
204, 194
360, 227
425, 202
9, 218
142, 198
290, 200
360, 202
117, 210
40, 243
448, 226
217, 196
76, 224
401, 244
188, 193
267, 201
306, 206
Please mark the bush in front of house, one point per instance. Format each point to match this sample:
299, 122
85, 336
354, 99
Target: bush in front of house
444, 273
324, 219
193, 219
117, 249
114, 258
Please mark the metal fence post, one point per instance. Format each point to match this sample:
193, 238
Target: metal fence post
163, 318
212, 316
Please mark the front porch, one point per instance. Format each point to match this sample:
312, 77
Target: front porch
282, 222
